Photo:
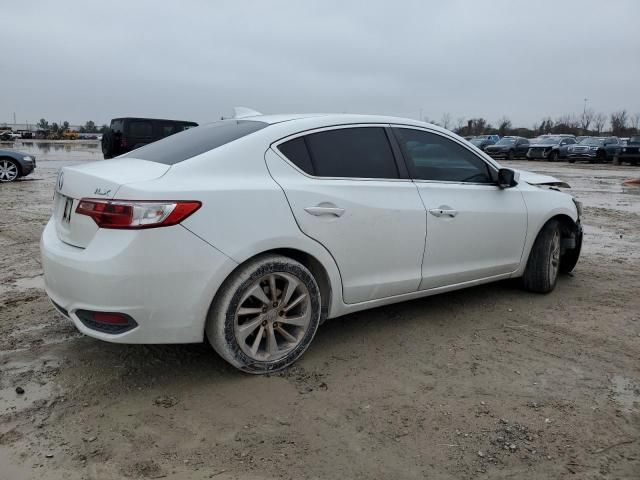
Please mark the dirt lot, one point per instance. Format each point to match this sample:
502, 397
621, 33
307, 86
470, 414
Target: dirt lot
490, 382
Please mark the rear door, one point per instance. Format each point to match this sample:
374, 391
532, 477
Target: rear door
475, 230
139, 132
346, 191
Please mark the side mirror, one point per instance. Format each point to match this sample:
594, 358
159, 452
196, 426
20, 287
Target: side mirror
507, 178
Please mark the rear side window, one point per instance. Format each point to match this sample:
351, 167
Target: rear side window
140, 128
197, 140
433, 157
296, 151
360, 152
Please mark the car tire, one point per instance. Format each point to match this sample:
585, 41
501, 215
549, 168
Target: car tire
511, 155
553, 157
246, 319
9, 170
572, 160
543, 266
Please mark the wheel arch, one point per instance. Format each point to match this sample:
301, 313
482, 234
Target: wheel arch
330, 286
568, 229
6, 157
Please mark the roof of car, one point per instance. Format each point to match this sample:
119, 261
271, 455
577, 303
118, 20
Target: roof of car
339, 118
154, 119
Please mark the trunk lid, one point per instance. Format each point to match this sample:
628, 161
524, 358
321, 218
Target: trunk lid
94, 180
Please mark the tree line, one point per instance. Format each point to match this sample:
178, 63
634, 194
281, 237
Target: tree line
620, 123
59, 129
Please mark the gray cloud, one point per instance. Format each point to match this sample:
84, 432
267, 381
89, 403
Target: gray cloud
197, 59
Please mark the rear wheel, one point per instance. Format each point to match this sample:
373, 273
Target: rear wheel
265, 315
9, 170
543, 265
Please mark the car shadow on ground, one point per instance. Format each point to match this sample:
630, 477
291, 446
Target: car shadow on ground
164, 364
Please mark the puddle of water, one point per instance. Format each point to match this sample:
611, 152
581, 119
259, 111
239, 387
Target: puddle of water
625, 393
52, 154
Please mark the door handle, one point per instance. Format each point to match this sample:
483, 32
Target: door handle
319, 211
443, 212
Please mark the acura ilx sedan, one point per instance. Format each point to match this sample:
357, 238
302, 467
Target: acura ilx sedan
251, 232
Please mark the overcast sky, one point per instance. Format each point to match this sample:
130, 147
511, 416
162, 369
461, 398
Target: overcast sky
195, 60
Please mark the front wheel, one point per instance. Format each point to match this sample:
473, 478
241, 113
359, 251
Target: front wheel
553, 157
543, 265
9, 170
265, 315
511, 155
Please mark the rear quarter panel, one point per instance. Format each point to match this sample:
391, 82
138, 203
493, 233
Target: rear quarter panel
244, 211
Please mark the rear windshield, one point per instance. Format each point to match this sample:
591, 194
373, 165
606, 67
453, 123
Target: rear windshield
195, 141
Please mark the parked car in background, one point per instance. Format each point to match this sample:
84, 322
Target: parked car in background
509, 148
126, 134
14, 165
594, 149
483, 141
9, 136
630, 152
255, 230
550, 147
25, 134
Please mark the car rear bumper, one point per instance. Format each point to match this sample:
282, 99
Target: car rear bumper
165, 279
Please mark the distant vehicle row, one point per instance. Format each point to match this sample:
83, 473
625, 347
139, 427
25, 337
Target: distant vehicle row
561, 147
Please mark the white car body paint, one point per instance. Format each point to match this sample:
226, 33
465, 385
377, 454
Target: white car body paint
387, 247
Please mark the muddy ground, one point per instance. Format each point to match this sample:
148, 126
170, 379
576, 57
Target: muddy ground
489, 382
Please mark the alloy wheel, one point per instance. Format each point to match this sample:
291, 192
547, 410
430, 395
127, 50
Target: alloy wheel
8, 171
272, 317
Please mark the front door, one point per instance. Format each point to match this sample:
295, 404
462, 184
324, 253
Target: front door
345, 191
475, 229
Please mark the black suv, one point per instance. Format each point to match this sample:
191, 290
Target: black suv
631, 151
126, 134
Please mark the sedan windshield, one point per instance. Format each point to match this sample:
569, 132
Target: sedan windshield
506, 141
478, 141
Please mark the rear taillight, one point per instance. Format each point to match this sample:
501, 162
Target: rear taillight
136, 214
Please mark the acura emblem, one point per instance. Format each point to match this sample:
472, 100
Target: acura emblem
60, 180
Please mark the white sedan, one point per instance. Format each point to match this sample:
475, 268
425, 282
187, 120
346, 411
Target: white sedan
252, 231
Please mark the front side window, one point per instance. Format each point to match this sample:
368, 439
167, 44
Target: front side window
433, 157
358, 152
